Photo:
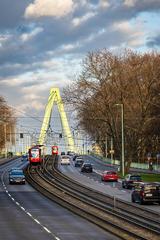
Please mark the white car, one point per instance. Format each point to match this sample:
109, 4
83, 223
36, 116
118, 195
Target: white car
65, 160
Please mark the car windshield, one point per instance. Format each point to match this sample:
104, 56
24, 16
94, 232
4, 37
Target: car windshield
87, 164
137, 178
151, 187
110, 173
17, 173
65, 157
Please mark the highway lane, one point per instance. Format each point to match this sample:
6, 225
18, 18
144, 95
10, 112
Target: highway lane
26, 214
93, 180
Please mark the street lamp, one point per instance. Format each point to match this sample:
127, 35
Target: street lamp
122, 129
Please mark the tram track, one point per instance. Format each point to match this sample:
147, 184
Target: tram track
93, 205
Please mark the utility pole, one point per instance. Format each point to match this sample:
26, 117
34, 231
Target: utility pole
122, 138
111, 149
5, 139
106, 147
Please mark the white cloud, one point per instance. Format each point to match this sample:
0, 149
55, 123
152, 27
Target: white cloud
33, 105
50, 8
28, 36
130, 3
4, 38
104, 4
134, 35
78, 21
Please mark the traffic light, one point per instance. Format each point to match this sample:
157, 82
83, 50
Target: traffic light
21, 135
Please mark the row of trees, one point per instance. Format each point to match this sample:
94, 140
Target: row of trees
127, 78
7, 124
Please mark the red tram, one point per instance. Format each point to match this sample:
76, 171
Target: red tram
35, 155
54, 150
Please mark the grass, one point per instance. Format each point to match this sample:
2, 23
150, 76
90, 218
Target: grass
150, 177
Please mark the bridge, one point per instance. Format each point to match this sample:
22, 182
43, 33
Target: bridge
55, 98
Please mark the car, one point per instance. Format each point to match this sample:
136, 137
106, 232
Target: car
146, 192
131, 180
63, 153
24, 157
75, 156
17, 176
86, 167
65, 160
79, 162
70, 153
109, 176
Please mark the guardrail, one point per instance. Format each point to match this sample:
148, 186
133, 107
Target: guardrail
144, 166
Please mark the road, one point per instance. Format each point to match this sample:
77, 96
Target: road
26, 214
93, 180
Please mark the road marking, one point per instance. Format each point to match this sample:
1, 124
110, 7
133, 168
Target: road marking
47, 229
36, 221
29, 214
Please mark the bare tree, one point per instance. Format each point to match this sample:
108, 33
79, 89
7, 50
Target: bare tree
7, 123
128, 78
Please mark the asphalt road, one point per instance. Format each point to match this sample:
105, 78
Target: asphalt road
26, 214
94, 181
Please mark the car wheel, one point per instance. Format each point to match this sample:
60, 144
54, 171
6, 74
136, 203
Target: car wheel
123, 185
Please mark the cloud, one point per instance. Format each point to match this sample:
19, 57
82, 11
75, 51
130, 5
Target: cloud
49, 8
130, 3
104, 3
28, 36
134, 37
78, 21
154, 41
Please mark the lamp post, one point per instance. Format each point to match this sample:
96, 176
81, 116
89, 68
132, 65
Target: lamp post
122, 137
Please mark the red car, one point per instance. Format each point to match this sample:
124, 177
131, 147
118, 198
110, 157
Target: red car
109, 176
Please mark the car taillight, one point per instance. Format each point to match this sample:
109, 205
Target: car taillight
142, 193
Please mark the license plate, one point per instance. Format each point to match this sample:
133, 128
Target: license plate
148, 195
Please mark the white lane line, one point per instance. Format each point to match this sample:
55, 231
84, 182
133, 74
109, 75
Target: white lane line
57, 238
36, 221
47, 229
29, 214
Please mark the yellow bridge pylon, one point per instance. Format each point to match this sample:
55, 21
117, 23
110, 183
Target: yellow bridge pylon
55, 97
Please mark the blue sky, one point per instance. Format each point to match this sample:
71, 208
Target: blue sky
43, 42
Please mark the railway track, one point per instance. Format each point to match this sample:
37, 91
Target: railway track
125, 220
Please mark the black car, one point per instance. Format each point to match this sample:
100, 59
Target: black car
70, 153
75, 156
16, 176
79, 162
146, 192
87, 167
131, 180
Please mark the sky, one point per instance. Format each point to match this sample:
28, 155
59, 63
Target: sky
43, 43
